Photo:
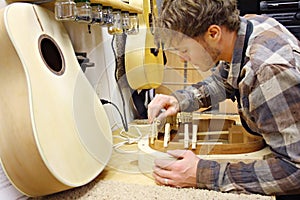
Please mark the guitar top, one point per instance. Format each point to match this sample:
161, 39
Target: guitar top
55, 134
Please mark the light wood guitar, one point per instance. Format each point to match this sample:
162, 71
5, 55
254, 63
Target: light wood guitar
54, 132
143, 58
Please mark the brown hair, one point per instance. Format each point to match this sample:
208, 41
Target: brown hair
193, 17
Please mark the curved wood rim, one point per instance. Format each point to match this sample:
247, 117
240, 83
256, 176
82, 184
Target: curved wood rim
237, 139
211, 149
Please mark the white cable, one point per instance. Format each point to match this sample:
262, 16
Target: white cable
128, 139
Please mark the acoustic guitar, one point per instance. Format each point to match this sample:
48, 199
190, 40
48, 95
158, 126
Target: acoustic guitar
54, 132
143, 57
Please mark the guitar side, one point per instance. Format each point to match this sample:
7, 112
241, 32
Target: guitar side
55, 133
144, 69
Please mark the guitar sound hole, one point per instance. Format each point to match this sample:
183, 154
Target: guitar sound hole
51, 55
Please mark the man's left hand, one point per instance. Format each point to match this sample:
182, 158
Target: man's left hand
178, 172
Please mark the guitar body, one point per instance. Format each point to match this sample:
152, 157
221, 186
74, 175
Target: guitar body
55, 134
144, 69
218, 138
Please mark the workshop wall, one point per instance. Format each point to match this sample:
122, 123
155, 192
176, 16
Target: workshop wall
96, 43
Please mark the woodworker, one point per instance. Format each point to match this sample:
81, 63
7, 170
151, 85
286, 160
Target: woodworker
255, 61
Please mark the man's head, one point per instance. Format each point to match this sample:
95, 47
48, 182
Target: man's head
193, 17
199, 30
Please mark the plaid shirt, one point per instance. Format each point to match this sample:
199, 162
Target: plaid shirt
270, 103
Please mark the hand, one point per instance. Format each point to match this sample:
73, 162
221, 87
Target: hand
178, 173
159, 102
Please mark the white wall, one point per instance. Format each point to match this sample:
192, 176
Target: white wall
97, 44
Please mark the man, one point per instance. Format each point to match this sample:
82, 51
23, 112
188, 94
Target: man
256, 64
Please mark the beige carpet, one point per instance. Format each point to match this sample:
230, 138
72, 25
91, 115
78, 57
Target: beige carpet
122, 180
113, 190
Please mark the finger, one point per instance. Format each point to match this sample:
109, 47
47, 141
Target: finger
152, 115
162, 172
157, 179
164, 163
160, 102
162, 180
162, 114
161, 117
154, 107
153, 111
170, 111
179, 154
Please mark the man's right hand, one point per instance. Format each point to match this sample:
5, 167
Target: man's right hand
159, 102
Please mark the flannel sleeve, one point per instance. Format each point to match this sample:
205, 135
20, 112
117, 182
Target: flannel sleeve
206, 93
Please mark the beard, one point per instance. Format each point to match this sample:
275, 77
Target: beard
211, 59
213, 52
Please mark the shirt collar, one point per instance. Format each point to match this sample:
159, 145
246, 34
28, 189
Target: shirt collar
235, 64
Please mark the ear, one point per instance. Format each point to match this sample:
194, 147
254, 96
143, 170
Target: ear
213, 33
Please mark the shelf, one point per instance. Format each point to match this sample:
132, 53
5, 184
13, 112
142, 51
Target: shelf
134, 6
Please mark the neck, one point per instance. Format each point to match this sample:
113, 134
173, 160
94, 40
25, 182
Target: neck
227, 45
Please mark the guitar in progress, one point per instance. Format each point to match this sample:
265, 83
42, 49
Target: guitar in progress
55, 134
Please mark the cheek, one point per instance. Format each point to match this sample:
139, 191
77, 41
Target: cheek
201, 57
202, 61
